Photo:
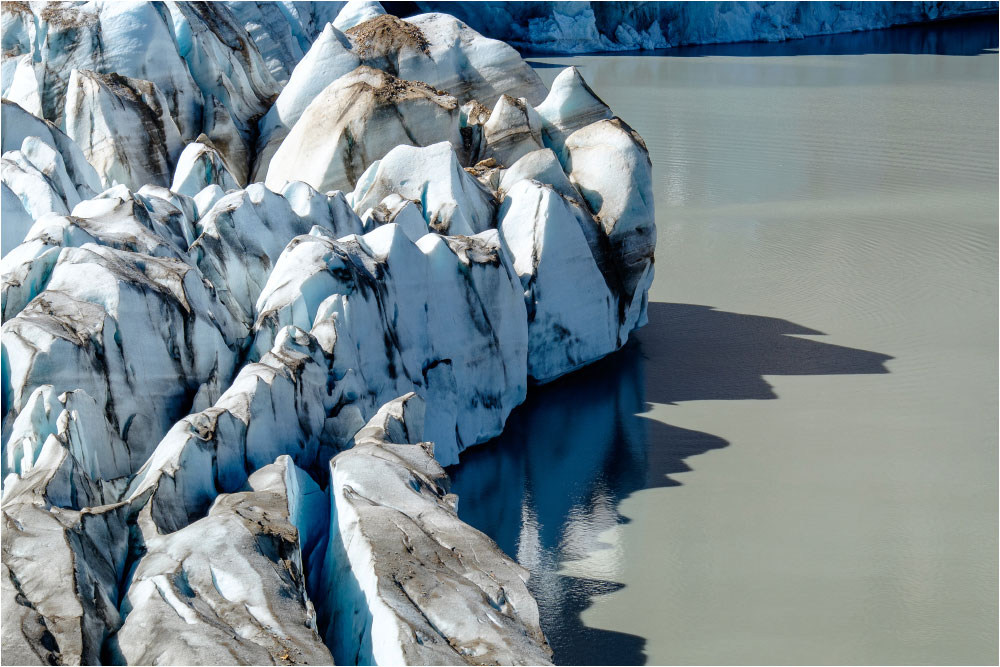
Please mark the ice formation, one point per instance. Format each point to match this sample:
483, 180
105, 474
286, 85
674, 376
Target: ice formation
266, 269
581, 27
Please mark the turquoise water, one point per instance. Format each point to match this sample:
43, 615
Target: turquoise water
796, 460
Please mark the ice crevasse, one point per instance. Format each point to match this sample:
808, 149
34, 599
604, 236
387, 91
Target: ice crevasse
236, 358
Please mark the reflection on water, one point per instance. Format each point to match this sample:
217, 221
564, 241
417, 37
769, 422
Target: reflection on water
549, 488
953, 38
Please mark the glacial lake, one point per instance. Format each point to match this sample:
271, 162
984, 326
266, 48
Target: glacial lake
795, 461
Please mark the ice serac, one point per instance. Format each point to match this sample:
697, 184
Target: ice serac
305, 20
581, 27
572, 313
110, 321
357, 120
355, 12
200, 164
153, 221
447, 54
68, 433
432, 50
231, 74
229, 588
137, 42
61, 566
329, 58
17, 220
608, 163
569, 106
513, 130
418, 586
274, 407
242, 235
123, 126
452, 200
271, 31
542, 166
403, 212
37, 182
443, 317
197, 55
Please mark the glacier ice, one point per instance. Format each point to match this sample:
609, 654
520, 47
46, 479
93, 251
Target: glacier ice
355, 12
229, 588
581, 27
451, 200
426, 588
569, 106
226, 402
200, 165
564, 330
356, 120
146, 140
442, 316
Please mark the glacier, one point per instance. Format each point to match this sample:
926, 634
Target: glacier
267, 268
582, 27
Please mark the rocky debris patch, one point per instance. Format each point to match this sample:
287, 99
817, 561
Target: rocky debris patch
385, 34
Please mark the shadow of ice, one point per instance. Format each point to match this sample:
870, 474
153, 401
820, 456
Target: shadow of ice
548, 489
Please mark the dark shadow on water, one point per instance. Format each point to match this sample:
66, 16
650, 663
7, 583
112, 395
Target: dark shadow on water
552, 483
697, 353
960, 37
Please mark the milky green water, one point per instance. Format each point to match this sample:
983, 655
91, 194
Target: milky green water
797, 460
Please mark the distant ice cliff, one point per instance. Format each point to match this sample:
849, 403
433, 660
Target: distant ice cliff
582, 27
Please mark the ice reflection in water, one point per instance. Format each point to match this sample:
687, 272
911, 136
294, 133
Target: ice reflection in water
548, 491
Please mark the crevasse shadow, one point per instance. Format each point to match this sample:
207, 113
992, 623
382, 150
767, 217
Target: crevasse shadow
549, 488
